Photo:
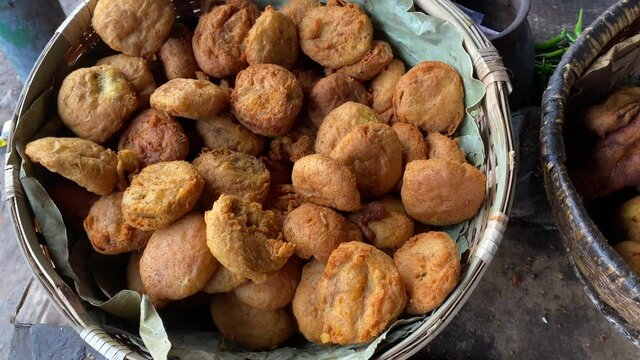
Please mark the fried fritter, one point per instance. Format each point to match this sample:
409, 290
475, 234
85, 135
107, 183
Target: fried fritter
161, 194
442, 147
82, 161
273, 39
207, 5
95, 102
155, 137
317, 230
373, 152
414, 146
135, 28
442, 192
361, 294
308, 78
331, 92
430, 269
383, 86
223, 132
340, 121
176, 54
276, 291
338, 191
297, 9
223, 280
630, 253
373, 62
441, 84
108, 232
629, 219
617, 111
293, 146
384, 223
218, 41
232, 173
134, 281
335, 35
267, 99
136, 71
177, 263
306, 301
189, 98
246, 239
252, 328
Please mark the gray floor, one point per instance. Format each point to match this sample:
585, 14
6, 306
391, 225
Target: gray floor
528, 306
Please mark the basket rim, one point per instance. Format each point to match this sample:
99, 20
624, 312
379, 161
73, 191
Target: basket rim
559, 185
496, 110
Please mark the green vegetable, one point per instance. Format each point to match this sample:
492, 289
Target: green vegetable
553, 42
553, 54
578, 28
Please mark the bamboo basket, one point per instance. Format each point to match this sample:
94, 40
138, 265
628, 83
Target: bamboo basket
608, 280
75, 37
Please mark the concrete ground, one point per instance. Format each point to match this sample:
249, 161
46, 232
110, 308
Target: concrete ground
529, 305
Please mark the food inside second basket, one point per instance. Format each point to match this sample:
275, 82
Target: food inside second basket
324, 167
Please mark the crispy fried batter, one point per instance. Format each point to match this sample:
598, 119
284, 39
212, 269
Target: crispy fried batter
414, 146
331, 92
176, 54
617, 111
189, 98
630, 253
340, 121
383, 86
273, 39
136, 71
384, 223
223, 132
373, 62
297, 9
223, 280
306, 302
276, 291
442, 147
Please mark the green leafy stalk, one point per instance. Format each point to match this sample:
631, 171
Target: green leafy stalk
553, 42
578, 28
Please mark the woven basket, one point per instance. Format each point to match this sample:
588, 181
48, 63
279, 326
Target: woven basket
607, 279
75, 37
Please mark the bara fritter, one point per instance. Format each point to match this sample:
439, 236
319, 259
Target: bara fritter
276, 291
414, 146
383, 86
177, 263
430, 269
442, 85
96, 102
273, 39
190, 98
340, 121
245, 238
155, 137
295, 145
82, 161
629, 220
306, 304
218, 41
615, 112
161, 194
442, 147
384, 223
134, 281
135, 28
252, 328
176, 54
223, 280
136, 71
308, 78
338, 191
297, 9
267, 99
223, 132
108, 232
630, 253
442, 192
335, 35
331, 92
373, 62
317, 230
232, 173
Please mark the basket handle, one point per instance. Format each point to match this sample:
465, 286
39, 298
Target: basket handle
106, 345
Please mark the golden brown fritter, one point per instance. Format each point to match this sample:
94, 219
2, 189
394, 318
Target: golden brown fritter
283, 198
338, 191
317, 230
189, 98
629, 220
414, 146
273, 39
331, 92
442, 85
615, 112
361, 294
430, 269
223, 132
267, 99
177, 263
135, 28
95, 102
335, 35
442, 192
442, 147
82, 161
136, 71
108, 232
223, 280
134, 281
384, 223
155, 137
176, 54
232, 173
373, 152
276, 291
297, 9
161, 194
218, 41
373, 62
207, 5
630, 253
248, 326
295, 145
246, 239
340, 121
383, 86
306, 301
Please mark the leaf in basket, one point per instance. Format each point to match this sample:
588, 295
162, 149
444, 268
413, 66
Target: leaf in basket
152, 330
